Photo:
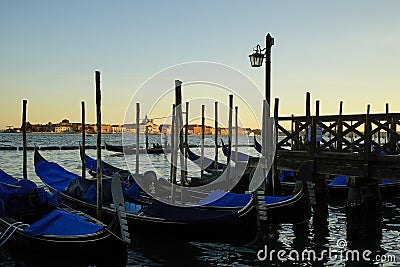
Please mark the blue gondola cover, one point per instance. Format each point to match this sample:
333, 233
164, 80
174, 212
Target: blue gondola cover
59, 222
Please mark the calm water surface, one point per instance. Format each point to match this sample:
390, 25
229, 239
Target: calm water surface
171, 253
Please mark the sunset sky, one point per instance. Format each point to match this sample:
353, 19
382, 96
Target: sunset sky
337, 50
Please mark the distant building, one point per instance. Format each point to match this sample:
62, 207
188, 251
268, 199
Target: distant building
63, 128
117, 129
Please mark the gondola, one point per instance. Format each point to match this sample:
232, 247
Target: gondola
338, 188
33, 224
241, 157
231, 219
109, 170
157, 219
258, 146
208, 164
130, 150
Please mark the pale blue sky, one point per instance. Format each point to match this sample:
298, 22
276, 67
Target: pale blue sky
334, 49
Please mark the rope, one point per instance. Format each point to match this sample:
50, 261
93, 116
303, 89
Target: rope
6, 236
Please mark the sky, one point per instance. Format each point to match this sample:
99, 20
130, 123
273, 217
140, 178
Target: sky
337, 50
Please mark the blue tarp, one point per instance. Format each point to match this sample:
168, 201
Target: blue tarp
340, 180
270, 199
72, 184
62, 223
189, 214
6, 178
54, 175
384, 181
10, 204
223, 199
91, 164
284, 173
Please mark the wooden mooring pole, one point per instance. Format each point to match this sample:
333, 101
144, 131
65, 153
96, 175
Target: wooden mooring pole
24, 156
99, 171
137, 138
320, 208
83, 131
228, 167
364, 209
216, 135
202, 139
173, 154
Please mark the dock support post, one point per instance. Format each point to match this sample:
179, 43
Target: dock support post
363, 209
320, 208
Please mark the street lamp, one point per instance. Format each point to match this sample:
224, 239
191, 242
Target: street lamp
256, 60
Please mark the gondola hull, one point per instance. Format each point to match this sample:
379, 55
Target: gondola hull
218, 223
242, 231
90, 249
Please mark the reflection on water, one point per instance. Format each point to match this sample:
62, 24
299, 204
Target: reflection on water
171, 253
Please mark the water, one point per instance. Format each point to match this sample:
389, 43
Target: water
171, 253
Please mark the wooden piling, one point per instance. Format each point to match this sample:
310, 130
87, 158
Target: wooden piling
367, 141
83, 131
276, 183
137, 138
320, 216
173, 154
216, 135
24, 155
363, 209
339, 143
387, 122
179, 127
99, 171
186, 148
202, 139
147, 132
317, 121
228, 167
308, 104
236, 140
291, 131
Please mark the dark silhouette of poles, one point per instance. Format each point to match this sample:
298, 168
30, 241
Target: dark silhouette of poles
24, 157
216, 135
202, 140
83, 130
137, 137
99, 171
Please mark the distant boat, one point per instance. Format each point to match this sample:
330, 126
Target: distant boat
155, 149
32, 224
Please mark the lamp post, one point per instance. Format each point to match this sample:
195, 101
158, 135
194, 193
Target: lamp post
256, 60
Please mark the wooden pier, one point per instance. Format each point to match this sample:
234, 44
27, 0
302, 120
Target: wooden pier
351, 145
362, 147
